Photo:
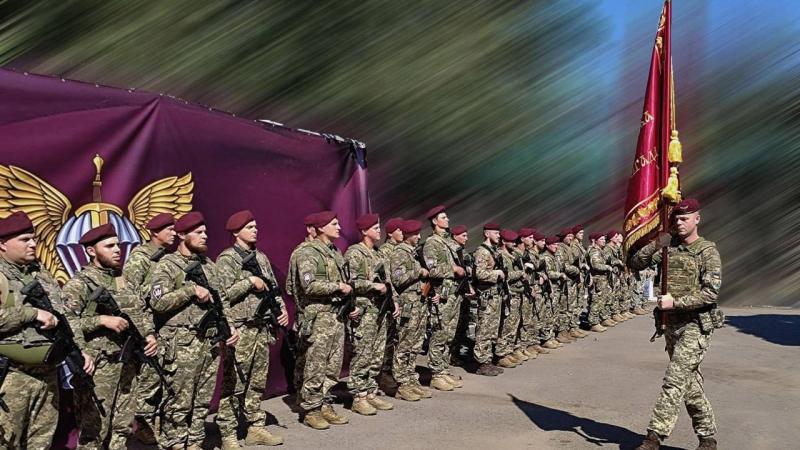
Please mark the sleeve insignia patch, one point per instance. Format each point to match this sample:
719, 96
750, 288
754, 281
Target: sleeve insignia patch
307, 278
157, 292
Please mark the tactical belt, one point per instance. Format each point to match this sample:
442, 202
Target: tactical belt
688, 316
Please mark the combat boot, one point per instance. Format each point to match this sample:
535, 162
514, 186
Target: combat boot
563, 338
575, 334
422, 392
261, 436
362, 406
597, 328
520, 355
145, 433
650, 442
329, 414
608, 323
378, 403
441, 384
230, 443
387, 382
315, 420
617, 318
707, 443
531, 354
551, 344
455, 383
486, 369
639, 311
582, 332
540, 349
507, 362
629, 315
406, 392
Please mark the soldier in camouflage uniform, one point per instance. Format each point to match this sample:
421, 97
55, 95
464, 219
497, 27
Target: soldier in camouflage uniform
626, 291
136, 271
543, 312
320, 290
694, 275
614, 278
394, 236
292, 286
568, 323
31, 389
599, 314
489, 302
115, 376
465, 293
440, 253
239, 286
367, 330
583, 288
189, 355
529, 322
507, 344
407, 276
554, 269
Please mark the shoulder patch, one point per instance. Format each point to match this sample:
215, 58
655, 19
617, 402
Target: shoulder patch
156, 292
430, 262
398, 272
307, 277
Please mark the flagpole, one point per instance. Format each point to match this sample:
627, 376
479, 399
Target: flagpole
666, 129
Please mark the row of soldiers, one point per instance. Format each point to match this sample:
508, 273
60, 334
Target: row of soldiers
145, 341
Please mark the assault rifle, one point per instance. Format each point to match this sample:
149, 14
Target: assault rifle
428, 291
215, 315
133, 341
349, 304
268, 307
64, 349
468, 264
386, 307
501, 265
156, 257
519, 263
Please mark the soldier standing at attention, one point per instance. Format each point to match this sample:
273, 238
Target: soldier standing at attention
616, 269
440, 257
545, 304
509, 325
31, 388
600, 292
292, 286
367, 332
115, 378
528, 320
239, 286
487, 279
180, 304
137, 271
694, 276
554, 269
465, 295
407, 276
321, 289
394, 237
569, 295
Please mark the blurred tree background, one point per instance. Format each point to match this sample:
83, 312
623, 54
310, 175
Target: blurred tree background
522, 112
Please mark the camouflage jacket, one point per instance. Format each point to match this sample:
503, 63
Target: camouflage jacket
514, 273
291, 276
17, 320
567, 256
235, 282
362, 262
612, 261
694, 271
553, 267
173, 297
406, 270
597, 263
386, 250
138, 268
484, 268
439, 252
77, 292
579, 251
320, 271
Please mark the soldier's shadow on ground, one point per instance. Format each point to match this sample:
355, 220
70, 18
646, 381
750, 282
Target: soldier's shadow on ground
776, 328
597, 433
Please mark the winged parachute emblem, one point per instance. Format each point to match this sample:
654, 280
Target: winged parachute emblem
58, 232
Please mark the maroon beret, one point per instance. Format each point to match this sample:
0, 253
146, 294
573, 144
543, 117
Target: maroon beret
687, 206
189, 221
160, 221
458, 229
508, 235
491, 227
237, 221
97, 234
525, 232
577, 228
309, 220
538, 236
550, 240
411, 227
15, 224
366, 221
612, 233
434, 212
393, 224
595, 236
565, 232
323, 218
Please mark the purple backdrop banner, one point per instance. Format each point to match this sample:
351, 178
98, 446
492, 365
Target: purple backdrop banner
51, 129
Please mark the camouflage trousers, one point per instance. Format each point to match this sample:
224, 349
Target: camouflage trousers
193, 365
462, 326
615, 298
442, 338
391, 344
31, 393
410, 335
252, 353
575, 305
149, 393
599, 302
561, 302
545, 315
322, 345
509, 325
626, 297
528, 323
683, 382
488, 326
115, 385
367, 346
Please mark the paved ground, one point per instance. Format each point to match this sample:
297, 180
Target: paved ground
594, 394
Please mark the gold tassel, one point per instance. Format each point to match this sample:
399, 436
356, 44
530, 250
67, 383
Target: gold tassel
675, 149
671, 193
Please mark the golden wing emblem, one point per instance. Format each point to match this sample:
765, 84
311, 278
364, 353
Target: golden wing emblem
48, 209
169, 195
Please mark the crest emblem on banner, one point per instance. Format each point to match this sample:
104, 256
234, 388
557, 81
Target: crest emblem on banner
58, 232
